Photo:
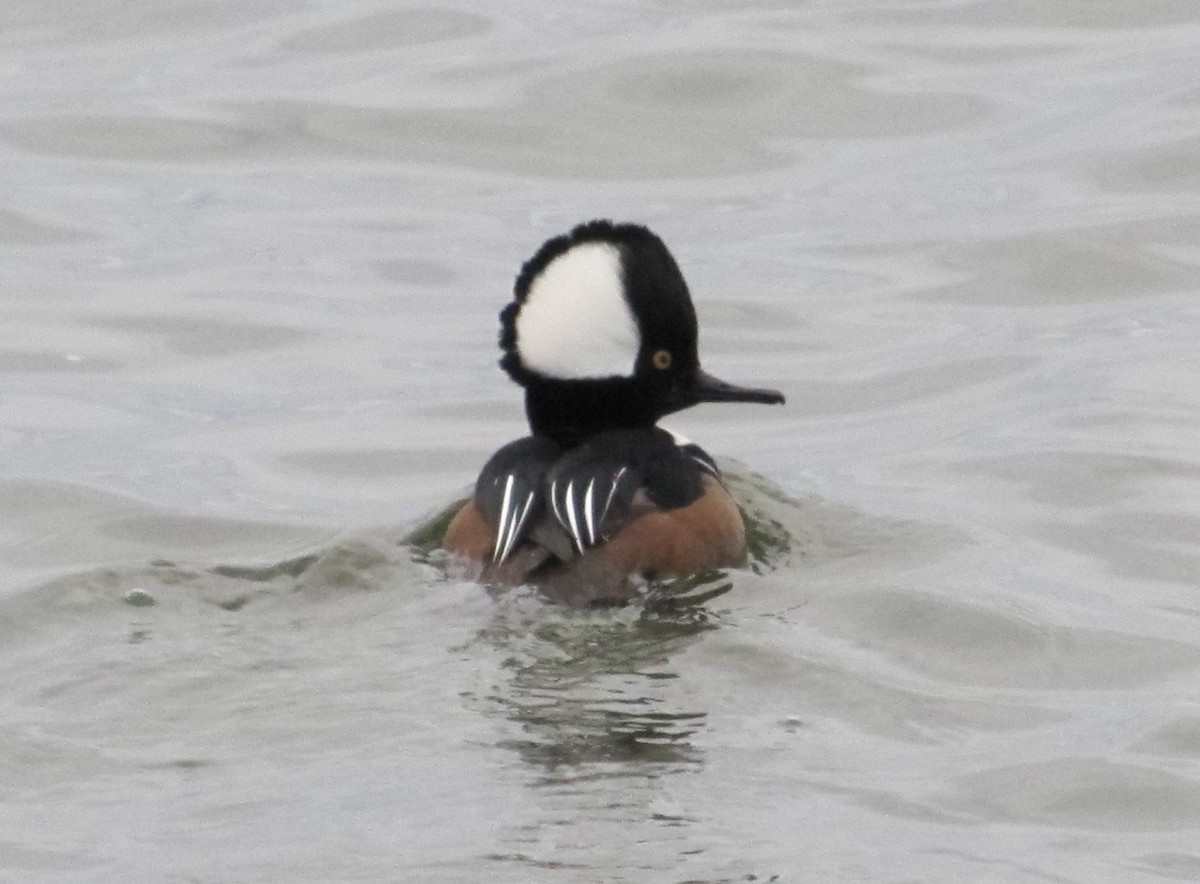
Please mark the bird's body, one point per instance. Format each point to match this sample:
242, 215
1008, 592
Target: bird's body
602, 336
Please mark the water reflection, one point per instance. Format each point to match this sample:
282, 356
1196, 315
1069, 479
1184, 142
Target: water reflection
594, 691
589, 689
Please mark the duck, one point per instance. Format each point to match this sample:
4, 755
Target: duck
599, 500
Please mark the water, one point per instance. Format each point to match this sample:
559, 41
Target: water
253, 255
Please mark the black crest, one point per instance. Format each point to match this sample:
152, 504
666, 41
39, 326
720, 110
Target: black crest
654, 288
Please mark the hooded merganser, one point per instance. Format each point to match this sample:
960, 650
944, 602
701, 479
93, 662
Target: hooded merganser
601, 333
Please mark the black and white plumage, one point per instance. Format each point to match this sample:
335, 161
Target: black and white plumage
601, 333
569, 500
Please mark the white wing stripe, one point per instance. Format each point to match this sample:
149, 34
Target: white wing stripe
573, 516
528, 506
612, 492
505, 515
554, 503
590, 513
515, 527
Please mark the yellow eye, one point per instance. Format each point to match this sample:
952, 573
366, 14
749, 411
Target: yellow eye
661, 359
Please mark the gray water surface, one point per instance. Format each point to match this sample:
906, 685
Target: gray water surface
253, 255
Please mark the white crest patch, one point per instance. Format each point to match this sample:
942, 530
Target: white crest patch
575, 323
